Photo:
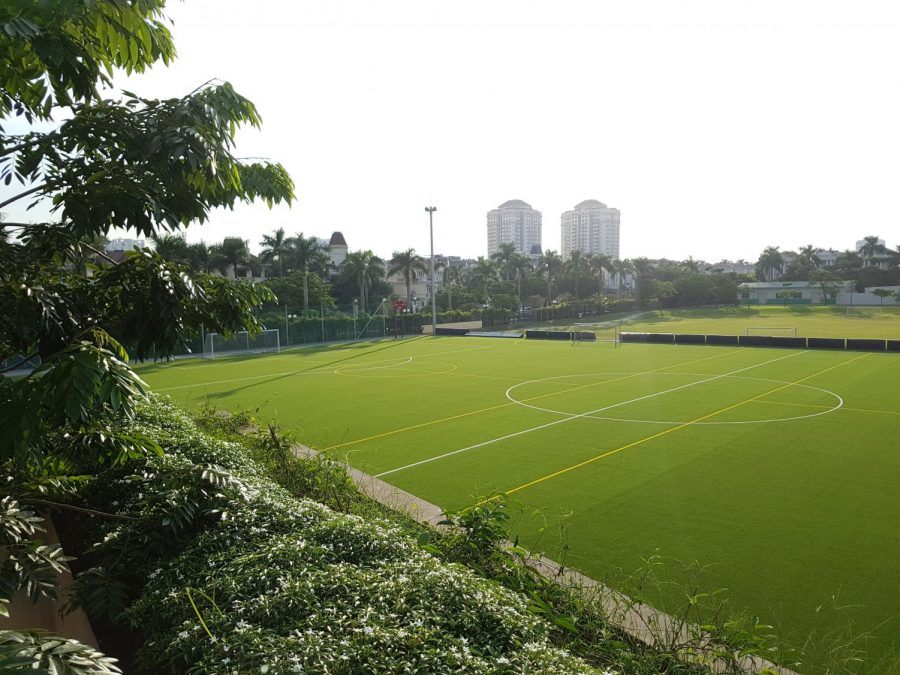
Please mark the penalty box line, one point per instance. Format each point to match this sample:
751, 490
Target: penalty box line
641, 441
584, 415
512, 403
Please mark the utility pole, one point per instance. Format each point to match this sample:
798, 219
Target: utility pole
431, 210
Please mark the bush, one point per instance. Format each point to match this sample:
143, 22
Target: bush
226, 572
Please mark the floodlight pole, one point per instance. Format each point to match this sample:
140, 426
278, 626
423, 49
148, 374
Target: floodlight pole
431, 210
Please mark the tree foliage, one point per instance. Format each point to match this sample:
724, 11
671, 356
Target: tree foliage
151, 166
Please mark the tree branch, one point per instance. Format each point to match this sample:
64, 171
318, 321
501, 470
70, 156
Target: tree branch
36, 188
25, 359
25, 144
77, 509
102, 254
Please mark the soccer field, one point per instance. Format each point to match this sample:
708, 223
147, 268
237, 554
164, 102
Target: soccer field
777, 469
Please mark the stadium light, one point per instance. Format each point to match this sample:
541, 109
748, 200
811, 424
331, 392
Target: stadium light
431, 210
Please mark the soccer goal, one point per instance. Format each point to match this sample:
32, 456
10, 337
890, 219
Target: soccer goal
603, 333
771, 331
216, 344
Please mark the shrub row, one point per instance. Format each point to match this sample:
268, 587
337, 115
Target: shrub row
222, 571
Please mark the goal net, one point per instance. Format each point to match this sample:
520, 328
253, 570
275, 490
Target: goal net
602, 333
771, 331
216, 344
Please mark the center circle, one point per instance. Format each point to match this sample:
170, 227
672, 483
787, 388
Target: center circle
594, 414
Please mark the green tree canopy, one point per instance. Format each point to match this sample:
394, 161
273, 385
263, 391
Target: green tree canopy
146, 165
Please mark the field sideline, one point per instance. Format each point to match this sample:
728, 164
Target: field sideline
776, 469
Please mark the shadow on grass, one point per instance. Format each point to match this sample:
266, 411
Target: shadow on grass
392, 344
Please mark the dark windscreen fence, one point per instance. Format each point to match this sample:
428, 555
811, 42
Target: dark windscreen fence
826, 343
789, 342
755, 341
792, 342
721, 339
866, 344
572, 335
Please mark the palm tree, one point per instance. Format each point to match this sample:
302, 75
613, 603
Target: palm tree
275, 248
808, 254
365, 268
576, 267
599, 263
549, 265
690, 265
521, 264
484, 271
308, 254
232, 252
504, 255
451, 276
769, 262
409, 265
872, 248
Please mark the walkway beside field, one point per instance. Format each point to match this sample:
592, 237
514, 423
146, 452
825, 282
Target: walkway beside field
641, 622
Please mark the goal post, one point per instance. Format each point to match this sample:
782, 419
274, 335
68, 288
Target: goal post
242, 342
772, 331
603, 333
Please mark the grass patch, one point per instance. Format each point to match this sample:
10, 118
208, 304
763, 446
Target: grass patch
775, 469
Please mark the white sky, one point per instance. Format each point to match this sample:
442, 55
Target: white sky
717, 127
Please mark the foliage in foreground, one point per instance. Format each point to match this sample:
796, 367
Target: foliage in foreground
243, 577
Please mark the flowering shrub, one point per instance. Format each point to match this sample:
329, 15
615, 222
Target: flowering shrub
230, 574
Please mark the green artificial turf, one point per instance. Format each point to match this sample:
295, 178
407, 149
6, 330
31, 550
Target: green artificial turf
809, 321
777, 470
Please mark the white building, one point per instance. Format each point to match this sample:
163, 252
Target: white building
128, 244
591, 227
337, 249
514, 222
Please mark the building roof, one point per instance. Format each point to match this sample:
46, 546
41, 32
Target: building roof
337, 239
514, 204
590, 204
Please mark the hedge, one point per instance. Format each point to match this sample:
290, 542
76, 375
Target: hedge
224, 572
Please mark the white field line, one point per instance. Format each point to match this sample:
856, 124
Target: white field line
454, 351
288, 372
290, 355
347, 369
340, 370
243, 379
582, 415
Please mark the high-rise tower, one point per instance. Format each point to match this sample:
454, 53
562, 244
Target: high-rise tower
513, 222
591, 227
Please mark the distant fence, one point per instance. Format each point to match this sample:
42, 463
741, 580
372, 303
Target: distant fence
570, 335
856, 344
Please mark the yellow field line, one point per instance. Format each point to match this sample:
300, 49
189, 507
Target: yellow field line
505, 405
665, 432
815, 405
